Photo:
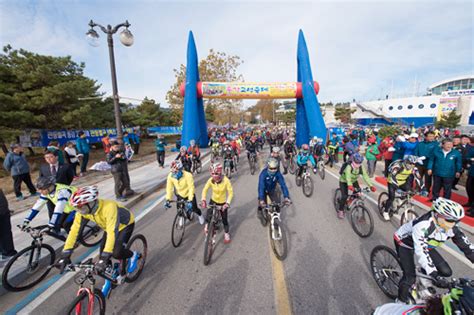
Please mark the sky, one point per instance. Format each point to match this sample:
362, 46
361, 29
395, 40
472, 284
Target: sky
359, 50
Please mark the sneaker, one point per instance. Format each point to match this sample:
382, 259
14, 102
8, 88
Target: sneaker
133, 262
34, 194
340, 214
20, 198
386, 216
226, 238
201, 219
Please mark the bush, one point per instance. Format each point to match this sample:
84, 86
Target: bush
389, 131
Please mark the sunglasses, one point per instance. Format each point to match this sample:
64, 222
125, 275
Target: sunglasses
272, 169
447, 220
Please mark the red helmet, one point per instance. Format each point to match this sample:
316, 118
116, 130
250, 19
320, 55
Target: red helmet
305, 147
216, 171
84, 196
175, 166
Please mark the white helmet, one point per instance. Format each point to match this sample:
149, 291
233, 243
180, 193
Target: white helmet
448, 209
83, 196
276, 149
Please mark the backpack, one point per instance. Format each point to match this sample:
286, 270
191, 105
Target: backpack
344, 165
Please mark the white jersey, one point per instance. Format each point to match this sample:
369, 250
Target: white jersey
398, 309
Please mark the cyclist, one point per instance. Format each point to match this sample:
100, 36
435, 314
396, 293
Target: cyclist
348, 180
421, 236
184, 158
318, 150
302, 160
251, 147
289, 148
333, 148
222, 194
59, 195
117, 222
400, 177
181, 182
276, 155
267, 187
228, 154
194, 152
235, 146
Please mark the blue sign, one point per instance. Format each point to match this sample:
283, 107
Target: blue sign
64, 136
169, 130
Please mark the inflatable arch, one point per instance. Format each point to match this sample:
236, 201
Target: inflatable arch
309, 120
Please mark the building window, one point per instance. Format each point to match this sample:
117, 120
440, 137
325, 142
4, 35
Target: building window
410, 106
400, 107
421, 106
390, 108
433, 105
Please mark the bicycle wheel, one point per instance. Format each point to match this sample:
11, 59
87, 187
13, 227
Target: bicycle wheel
308, 186
137, 244
178, 228
280, 243
298, 180
337, 198
361, 221
292, 166
209, 244
383, 197
386, 270
80, 305
28, 267
91, 234
322, 170
227, 172
199, 167
252, 166
407, 216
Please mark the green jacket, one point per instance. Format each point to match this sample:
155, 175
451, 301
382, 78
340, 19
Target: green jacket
426, 149
351, 175
371, 152
445, 166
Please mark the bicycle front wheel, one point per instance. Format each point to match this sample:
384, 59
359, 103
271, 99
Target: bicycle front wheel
361, 221
386, 270
28, 267
252, 166
83, 304
209, 244
292, 166
308, 186
91, 234
337, 198
177, 230
137, 244
199, 167
407, 216
381, 202
278, 240
322, 170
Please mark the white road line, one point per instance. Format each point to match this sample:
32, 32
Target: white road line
65, 278
453, 252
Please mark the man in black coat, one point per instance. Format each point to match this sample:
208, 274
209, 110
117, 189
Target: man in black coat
119, 168
7, 249
63, 173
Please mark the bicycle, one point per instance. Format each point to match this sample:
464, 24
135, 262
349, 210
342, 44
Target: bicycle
91, 300
32, 264
179, 222
276, 229
212, 228
320, 168
330, 156
403, 202
361, 219
305, 181
291, 164
227, 167
215, 154
387, 272
253, 162
196, 165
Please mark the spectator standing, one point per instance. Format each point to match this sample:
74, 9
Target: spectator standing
335, 143
409, 147
460, 143
424, 151
82, 146
72, 157
136, 140
7, 249
106, 143
386, 149
54, 146
445, 166
469, 162
119, 163
160, 144
15, 163
349, 148
371, 154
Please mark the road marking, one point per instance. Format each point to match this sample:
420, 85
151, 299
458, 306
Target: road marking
41, 294
454, 251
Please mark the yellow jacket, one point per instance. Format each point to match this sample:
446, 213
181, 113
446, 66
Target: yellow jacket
219, 191
110, 216
184, 186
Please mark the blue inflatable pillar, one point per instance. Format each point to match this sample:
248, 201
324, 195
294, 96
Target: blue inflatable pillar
194, 120
309, 120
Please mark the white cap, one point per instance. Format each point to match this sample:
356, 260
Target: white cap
413, 135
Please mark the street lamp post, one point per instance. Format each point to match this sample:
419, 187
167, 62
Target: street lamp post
126, 38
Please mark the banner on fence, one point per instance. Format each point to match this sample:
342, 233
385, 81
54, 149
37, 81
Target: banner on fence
168, 130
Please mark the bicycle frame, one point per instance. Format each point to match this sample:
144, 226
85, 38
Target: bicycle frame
357, 198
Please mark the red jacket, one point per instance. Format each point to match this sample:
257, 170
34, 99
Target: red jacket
383, 148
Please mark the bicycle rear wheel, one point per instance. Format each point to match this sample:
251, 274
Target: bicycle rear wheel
407, 216
178, 228
386, 270
322, 170
383, 197
361, 221
308, 186
279, 243
91, 234
337, 198
209, 244
138, 244
28, 267
80, 305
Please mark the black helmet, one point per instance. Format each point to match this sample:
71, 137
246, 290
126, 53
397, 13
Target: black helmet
45, 182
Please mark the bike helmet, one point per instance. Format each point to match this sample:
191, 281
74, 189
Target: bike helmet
357, 158
176, 165
448, 209
45, 182
192, 143
409, 161
83, 196
226, 142
183, 149
272, 166
305, 148
276, 149
216, 171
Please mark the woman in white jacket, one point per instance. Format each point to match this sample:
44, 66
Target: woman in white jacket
71, 156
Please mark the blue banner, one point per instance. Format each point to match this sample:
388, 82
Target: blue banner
64, 136
169, 130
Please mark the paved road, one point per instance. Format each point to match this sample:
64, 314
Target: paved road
326, 271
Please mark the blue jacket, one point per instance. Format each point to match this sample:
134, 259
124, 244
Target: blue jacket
335, 140
303, 159
126, 139
399, 151
468, 157
267, 183
160, 145
82, 145
16, 164
426, 149
135, 138
445, 166
409, 148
